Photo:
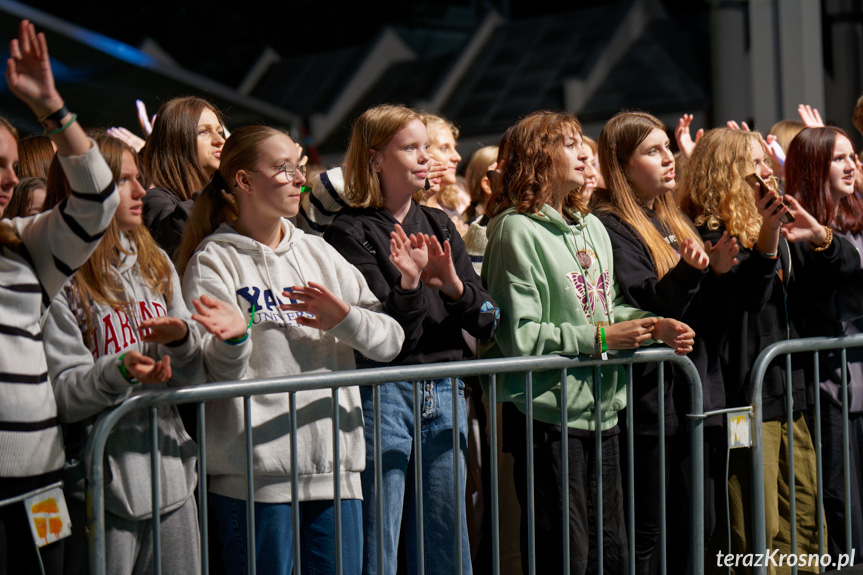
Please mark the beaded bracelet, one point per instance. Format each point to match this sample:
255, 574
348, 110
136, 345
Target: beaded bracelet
827, 242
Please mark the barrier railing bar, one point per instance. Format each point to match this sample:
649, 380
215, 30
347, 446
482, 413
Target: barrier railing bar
722, 411
759, 368
202, 490
337, 485
379, 478
792, 486
456, 459
564, 466
660, 383
292, 384
295, 488
597, 430
819, 473
23, 496
846, 456
419, 393
495, 494
250, 484
630, 473
531, 502
156, 490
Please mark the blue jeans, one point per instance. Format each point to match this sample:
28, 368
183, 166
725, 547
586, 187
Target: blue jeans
273, 536
398, 489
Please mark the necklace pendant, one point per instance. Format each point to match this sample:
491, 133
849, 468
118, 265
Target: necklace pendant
584, 258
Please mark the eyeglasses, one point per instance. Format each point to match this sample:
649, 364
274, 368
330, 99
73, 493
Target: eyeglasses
290, 171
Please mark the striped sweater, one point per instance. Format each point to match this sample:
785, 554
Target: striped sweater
53, 245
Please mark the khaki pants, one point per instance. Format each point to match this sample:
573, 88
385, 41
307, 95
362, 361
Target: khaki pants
776, 497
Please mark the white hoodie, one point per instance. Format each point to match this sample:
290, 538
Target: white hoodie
235, 268
87, 381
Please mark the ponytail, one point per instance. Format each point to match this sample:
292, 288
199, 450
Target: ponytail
214, 206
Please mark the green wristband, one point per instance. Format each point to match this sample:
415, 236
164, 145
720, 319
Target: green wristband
602, 336
124, 372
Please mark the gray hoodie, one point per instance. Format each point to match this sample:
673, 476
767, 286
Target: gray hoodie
87, 381
235, 268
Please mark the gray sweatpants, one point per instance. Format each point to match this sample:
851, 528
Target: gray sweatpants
129, 544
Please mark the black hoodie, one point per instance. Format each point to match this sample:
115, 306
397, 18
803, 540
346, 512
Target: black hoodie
431, 321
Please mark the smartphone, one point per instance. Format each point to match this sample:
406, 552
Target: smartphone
762, 187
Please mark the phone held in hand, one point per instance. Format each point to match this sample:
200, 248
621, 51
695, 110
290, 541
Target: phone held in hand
761, 187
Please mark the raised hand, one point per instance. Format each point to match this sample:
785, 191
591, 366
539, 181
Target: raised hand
723, 256
683, 135
219, 318
732, 125
629, 334
810, 116
675, 334
28, 71
29, 75
328, 310
409, 255
145, 122
145, 369
777, 155
127, 137
693, 254
163, 330
804, 228
440, 271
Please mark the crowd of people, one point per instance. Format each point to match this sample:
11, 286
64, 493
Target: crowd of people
195, 255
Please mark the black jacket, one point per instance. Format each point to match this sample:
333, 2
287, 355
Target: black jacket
676, 295
762, 301
431, 321
165, 215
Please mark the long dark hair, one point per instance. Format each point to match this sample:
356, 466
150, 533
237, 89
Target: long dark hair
171, 154
807, 168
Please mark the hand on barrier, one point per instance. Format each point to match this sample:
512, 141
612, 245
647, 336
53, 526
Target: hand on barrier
326, 307
163, 330
409, 255
629, 334
693, 254
145, 369
675, 334
219, 318
440, 271
723, 255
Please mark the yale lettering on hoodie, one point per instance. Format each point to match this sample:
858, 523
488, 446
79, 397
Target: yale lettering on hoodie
265, 305
119, 332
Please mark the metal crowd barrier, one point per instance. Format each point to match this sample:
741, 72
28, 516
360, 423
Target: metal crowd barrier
335, 381
759, 369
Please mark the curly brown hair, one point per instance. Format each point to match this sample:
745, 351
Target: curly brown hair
533, 164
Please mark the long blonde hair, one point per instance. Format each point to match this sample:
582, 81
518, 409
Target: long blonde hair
373, 130
96, 280
617, 143
217, 203
714, 192
8, 236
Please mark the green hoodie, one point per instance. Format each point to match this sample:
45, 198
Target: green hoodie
549, 305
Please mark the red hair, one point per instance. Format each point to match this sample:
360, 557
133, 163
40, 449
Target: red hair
807, 169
